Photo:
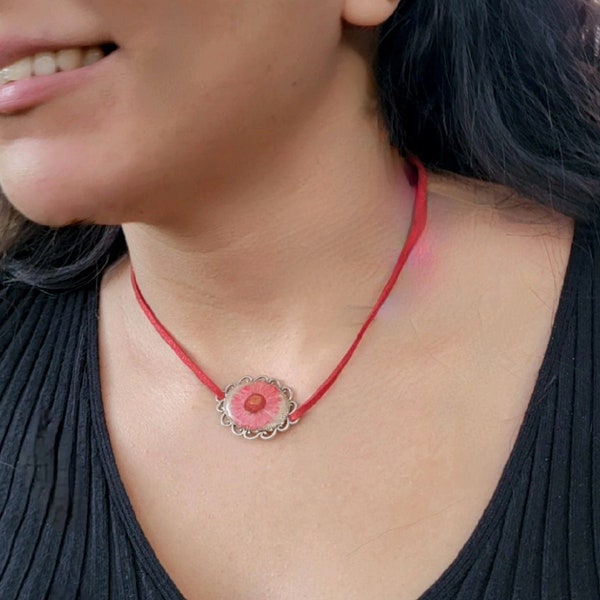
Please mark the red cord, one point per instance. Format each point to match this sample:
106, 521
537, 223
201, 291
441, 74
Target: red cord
419, 218
205, 379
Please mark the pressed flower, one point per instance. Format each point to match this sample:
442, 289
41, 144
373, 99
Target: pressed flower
257, 406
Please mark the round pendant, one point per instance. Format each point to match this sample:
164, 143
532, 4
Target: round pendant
257, 407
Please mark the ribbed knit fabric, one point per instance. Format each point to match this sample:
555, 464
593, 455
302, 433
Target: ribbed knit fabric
67, 529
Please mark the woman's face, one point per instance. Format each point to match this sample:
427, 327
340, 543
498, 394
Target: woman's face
197, 90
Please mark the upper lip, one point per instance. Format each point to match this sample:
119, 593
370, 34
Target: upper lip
15, 48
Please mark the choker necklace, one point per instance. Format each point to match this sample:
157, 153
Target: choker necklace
260, 407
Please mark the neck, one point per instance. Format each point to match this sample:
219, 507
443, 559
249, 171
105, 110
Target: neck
299, 255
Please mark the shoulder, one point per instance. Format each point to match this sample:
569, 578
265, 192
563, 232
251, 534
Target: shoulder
489, 215
15, 299
496, 266
32, 321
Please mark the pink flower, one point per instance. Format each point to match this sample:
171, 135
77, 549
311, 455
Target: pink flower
258, 406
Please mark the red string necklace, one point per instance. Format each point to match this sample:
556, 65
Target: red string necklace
260, 407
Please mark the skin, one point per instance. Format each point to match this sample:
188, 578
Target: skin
238, 144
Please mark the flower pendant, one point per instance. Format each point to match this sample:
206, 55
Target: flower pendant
257, 407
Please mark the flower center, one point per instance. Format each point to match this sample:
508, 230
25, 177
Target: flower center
254, 403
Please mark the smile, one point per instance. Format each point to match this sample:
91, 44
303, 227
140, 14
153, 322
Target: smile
49, 63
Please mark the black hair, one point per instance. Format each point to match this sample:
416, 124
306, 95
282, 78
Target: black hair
504, 91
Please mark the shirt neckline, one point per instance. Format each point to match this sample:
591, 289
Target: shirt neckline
492, 512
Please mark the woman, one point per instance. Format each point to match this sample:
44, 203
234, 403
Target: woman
385, 207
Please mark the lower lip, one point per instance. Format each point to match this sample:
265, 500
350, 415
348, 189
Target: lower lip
20, 95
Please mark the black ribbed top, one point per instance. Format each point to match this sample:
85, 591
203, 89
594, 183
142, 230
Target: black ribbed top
67, 528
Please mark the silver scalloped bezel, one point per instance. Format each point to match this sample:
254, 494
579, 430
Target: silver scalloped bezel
281, 424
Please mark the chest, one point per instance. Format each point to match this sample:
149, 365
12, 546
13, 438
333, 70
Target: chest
378, 488
350, 503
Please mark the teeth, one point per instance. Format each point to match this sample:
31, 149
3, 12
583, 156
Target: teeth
48, 63
19, 70
67, 60
44, 63
92, 55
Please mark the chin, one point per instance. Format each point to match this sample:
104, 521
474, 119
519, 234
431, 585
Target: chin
60, 183
56, 221
51, 205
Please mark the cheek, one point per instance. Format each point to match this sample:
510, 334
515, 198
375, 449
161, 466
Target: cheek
159, 126
96, 154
